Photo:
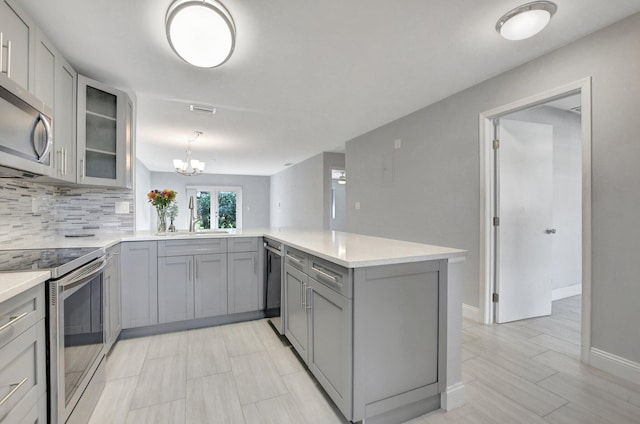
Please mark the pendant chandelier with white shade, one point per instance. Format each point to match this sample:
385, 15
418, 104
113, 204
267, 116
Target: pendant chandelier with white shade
189, 166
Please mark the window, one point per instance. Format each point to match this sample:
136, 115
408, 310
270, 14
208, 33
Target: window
217, 207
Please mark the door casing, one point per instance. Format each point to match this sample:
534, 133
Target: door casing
582, 86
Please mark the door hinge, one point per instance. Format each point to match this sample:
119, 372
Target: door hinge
495, 297
496, 144
496, 221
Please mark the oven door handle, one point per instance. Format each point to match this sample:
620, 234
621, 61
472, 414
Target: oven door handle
81, 276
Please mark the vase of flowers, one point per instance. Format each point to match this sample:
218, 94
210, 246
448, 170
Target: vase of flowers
161, 200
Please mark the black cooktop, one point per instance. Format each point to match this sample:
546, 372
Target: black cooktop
56, 260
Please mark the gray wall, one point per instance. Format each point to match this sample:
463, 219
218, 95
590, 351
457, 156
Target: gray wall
301, 194
567, 191
430, 189
255, 195
297, 195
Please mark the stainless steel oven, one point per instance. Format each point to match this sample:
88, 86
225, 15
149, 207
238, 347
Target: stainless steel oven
76, 343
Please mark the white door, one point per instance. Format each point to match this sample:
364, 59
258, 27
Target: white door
525, 195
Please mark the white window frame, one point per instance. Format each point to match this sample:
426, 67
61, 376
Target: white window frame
191, 191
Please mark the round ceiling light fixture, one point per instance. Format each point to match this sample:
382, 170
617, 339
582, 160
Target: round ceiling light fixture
201, 32
526, 21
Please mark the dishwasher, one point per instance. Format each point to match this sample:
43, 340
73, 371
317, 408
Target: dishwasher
273, 281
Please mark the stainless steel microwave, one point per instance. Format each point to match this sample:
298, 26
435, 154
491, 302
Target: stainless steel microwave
26, 132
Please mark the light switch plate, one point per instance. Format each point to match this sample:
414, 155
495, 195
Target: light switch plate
357, 206
122, 207
397, 143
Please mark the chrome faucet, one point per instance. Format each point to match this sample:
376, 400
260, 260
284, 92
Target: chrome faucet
192, 219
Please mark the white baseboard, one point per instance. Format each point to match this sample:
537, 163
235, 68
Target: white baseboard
453, 397
616, 365
471, 312
568, 291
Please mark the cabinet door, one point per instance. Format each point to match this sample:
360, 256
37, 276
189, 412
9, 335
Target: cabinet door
330, 340
65, 121
139, 278
243, 282
210, 285
296, 319
18, 31
45, 69
101, 134
175, 288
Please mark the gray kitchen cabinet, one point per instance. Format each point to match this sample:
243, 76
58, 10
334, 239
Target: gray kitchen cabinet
45, 69
243, 282
192, 279
17, 33
113, 303
23, 357
64, 129
175, 288
103, 156
330, 336
139, 279
296, 318
210, 285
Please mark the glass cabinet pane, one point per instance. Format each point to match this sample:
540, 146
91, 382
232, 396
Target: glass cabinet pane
101, 165
101, 102
101, 133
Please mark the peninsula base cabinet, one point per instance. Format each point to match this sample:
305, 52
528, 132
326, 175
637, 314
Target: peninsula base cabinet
371, 336
139, 279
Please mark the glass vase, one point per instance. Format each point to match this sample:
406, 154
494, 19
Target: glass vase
162, 220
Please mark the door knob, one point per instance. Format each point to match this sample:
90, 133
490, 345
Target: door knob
550, 231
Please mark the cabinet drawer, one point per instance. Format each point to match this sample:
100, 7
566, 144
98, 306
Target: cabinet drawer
22, 372
21, 312
296, 258
192, 247
331, 275
242, 244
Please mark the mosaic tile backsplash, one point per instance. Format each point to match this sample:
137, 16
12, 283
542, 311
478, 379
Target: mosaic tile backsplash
29, 210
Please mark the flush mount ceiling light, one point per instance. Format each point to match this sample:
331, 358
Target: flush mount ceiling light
526, 21
189, 166
201, 32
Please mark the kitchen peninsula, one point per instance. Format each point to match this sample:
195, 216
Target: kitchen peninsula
376, 321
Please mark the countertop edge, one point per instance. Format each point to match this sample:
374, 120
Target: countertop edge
14, 283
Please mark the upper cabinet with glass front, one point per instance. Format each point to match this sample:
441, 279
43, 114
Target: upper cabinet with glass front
104, 135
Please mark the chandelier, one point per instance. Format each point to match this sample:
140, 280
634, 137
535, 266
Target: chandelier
189, 166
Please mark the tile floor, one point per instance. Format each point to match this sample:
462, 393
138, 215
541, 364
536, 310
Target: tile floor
524, 372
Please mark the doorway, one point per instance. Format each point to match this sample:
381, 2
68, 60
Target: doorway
536, 191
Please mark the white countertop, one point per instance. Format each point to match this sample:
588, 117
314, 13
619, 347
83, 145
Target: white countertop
346, 249
14, 283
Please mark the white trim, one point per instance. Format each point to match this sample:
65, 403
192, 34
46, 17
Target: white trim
471, 312
616, 365
453, 397
582, 86
567, 291
191, 189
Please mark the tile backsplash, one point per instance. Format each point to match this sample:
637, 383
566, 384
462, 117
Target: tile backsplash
29, 210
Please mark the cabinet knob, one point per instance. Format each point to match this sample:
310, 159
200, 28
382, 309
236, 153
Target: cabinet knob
550, 231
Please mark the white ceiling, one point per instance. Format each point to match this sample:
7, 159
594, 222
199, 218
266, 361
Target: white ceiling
306, 76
